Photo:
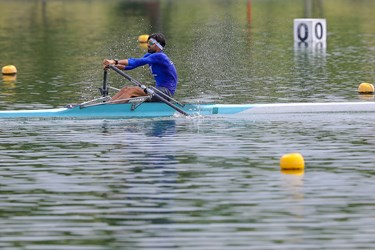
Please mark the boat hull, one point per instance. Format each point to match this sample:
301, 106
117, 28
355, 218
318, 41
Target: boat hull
162, 110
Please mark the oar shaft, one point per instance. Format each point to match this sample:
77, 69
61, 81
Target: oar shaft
104, 89
152, 92
166, 96
148, 90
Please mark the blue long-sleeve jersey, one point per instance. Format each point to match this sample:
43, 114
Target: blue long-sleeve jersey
161, 67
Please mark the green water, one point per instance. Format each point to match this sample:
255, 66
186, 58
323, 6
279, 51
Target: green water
225, 51
177, 183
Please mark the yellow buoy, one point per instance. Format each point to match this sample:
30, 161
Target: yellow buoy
9, 70
143, 46
293, 172
143, 38
9, 78
366, 88
292, 163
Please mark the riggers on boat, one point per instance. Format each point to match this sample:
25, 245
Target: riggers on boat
152, 109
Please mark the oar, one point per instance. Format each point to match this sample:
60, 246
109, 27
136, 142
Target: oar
166, 96
148, 90
104, 89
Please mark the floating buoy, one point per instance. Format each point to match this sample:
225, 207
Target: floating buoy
9, 78
366, 88
292, 163
292, 172
143, 46
9, 70
143, 38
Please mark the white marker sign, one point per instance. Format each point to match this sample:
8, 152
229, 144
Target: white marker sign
310, 30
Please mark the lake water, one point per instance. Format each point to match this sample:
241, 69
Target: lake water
178, 183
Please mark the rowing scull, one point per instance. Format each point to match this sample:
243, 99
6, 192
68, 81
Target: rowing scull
146, 109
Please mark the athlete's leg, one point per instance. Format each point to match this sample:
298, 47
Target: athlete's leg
128, 92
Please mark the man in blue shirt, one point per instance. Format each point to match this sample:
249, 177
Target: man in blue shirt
161, 67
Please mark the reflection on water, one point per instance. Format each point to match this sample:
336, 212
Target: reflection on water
159, 183
177, 183
317, 46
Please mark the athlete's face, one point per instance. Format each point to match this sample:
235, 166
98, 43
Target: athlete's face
151, 46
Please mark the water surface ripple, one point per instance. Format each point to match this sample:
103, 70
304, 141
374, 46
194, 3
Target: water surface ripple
180, 183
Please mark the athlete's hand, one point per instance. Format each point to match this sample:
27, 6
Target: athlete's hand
108, 62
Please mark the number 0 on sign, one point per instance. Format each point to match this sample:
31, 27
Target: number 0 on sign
310, 30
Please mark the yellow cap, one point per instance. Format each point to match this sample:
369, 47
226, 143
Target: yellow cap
366, 88
143, 38
9, 70
293, 161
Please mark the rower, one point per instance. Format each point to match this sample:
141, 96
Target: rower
161, 67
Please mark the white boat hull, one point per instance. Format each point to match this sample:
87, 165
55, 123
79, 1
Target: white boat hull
163, 110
